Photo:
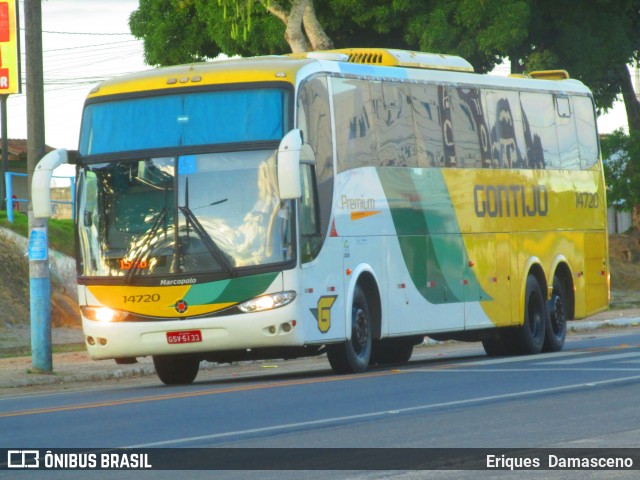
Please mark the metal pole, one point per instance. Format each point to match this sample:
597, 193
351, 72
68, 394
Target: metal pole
5, 149
39, 281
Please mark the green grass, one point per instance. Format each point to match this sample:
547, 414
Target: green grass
61, 237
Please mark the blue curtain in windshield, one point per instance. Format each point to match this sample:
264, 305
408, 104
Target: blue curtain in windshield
183, 120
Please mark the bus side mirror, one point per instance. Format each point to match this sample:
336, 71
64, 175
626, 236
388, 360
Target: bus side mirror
41, 182
289, 165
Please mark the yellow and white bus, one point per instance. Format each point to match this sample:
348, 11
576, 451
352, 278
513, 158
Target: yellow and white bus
346, 202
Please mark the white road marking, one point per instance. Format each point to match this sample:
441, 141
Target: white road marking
339, 420
594, 358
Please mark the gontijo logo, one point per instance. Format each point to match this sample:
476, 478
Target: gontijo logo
510, 200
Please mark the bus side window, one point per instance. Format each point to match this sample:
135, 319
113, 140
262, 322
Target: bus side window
469, 127
444, 101
423, 100
567, 141
586, 128
394, 126
314, 119
309, 224
541, 138
506, 130
353, 107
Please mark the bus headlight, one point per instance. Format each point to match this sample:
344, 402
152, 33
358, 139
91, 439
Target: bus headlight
103, 314
267, 302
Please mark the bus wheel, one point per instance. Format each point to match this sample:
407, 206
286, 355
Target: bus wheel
389, 352
529, 338
352, 356
556, 330
176, 369
496, 346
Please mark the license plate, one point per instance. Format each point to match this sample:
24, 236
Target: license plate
186, 336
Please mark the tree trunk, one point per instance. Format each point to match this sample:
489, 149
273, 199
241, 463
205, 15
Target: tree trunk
302, 24
317, 36
294, 34
631, 103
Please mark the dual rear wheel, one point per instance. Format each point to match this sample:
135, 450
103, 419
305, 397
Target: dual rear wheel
544, 327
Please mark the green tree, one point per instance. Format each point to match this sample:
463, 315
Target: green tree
621, 154
181, 31
594, 41
483, 32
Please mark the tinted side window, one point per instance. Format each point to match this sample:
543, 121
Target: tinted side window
427, 124
354, 122
506, 129
468, 127
446, 114
541, 139
567, 140
394, 125
315, 122
586, 128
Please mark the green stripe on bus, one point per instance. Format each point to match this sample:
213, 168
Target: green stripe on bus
428, 233
234, 290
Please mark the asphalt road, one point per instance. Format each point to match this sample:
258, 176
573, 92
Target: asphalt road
585, 396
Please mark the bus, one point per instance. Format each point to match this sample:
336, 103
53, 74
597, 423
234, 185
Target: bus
346, 202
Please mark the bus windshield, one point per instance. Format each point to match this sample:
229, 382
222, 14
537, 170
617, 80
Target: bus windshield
183, 120
204, 213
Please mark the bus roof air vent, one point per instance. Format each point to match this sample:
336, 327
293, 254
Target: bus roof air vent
550, 74
405, 58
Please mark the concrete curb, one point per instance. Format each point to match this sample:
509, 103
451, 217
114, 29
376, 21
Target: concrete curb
82, 369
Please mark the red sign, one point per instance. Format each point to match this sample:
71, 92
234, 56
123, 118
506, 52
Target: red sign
9, 48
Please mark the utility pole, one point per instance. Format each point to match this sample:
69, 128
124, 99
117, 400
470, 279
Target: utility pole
5, 150
39, 281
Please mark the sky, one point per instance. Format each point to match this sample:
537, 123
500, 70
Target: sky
87, 41
83, 43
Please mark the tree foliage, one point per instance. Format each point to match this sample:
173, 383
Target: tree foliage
183, 31
594, 42
483, 32
621, 154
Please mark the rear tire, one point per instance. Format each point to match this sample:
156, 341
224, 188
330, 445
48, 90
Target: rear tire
352, 356
176, 369
496, 346
528, 339
556, 329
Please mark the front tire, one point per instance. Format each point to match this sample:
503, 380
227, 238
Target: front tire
352, 356
176, 369
529, 338
392, 351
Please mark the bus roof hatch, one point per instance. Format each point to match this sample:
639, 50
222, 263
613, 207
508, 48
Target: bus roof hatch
400, 58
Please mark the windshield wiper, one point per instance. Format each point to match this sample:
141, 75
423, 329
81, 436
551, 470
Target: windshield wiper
208, 242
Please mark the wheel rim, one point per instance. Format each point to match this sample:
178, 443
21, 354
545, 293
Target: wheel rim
558, 318
360, 331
